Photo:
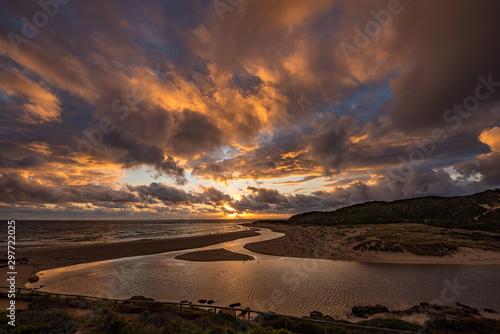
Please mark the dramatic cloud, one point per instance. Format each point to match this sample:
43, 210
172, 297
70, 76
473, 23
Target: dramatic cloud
154, 109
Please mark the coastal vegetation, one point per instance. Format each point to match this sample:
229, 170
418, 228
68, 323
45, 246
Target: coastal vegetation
426, 226
479, 211
45, 314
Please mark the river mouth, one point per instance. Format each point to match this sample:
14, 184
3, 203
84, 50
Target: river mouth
283, 285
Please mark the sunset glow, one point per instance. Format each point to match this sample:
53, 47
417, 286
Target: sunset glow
172, 110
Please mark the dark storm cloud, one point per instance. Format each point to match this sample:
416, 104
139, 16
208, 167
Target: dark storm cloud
443, 47
166, 194
132, 153
214, 197
330, 144
15, 189
249, 97
487, 167
26, 162
195, 133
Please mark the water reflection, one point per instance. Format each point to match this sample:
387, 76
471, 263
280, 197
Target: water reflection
286, 285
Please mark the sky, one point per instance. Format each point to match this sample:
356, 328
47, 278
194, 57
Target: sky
243, 108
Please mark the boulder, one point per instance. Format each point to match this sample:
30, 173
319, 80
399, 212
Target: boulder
369, 310
33, 279
359, 310
316, 314
381, 308
202, 301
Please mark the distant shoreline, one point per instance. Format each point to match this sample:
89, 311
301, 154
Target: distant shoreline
55, 257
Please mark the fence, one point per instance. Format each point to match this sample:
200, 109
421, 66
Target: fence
215, 308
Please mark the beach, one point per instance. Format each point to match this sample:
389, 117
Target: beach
315, 242
48, 258
336, 243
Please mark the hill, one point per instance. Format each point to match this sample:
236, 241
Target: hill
479, 211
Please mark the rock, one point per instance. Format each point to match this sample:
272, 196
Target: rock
358, 310
316, 314
436, 306
202, 301
235, 305
184, 301
369, 309
210, 301
33, 279
470, 309
382, 308
489, 310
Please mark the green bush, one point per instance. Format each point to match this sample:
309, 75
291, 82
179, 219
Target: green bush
118, 326
221, 330
395, 324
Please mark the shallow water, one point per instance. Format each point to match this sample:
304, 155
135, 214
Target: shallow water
284, 285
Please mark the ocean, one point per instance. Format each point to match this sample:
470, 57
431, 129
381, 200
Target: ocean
51, 233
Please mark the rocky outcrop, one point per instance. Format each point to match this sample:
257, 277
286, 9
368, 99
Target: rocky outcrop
141, 298
369, 310
316, 314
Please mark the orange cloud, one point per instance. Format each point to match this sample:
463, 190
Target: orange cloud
41, 105
491, 138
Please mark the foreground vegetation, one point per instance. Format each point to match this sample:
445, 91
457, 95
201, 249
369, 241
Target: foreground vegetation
424, 240
480, 211
60, 315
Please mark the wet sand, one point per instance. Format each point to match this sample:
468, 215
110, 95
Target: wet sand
49, 258
212, 255
304, 242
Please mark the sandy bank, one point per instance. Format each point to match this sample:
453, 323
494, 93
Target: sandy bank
336, 243
212, 255
49, 258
